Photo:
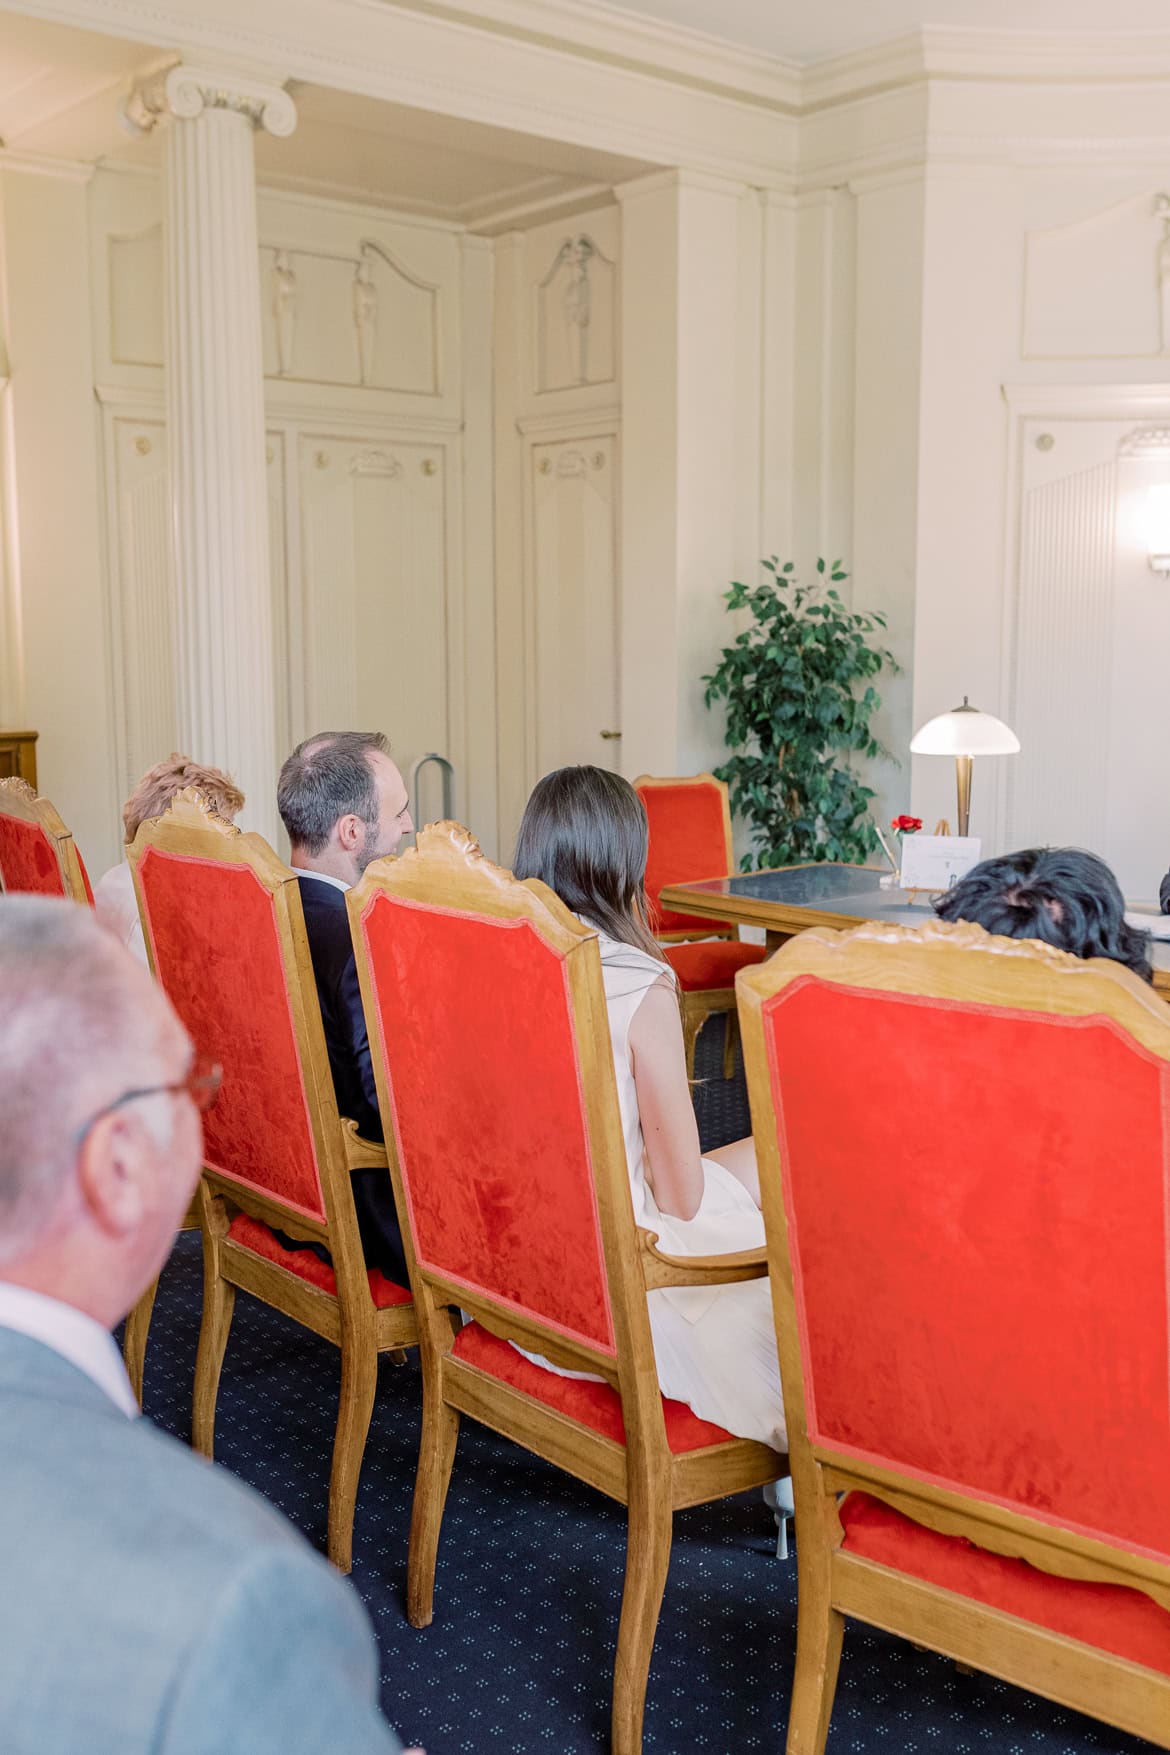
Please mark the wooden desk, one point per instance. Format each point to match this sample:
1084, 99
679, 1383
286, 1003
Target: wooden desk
792, 899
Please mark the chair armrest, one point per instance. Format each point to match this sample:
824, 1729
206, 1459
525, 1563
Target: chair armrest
361, 1154
660, 1269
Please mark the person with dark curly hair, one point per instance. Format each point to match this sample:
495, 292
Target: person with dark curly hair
1062, 895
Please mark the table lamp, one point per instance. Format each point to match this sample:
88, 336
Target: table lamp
964, 732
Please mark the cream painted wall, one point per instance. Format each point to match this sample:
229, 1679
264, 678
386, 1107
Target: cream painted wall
368, 486
888, 245
816, 316
58, 551
707, 324
1036, 281
558, 380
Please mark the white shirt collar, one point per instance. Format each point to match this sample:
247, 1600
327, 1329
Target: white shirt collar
72, 1334
322, 877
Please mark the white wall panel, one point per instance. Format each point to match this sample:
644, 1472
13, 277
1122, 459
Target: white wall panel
1088, 628
374, 546
574, 602
141, 612
1060, 703
1099, 287
359, 319
574, 327
557, 379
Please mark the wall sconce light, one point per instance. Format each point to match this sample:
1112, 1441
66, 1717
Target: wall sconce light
964, 733
1158, 527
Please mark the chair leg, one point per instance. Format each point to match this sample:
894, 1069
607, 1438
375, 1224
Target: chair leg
359, 1381
436, 1454
647, 1559
692, 1022
730, 1040
819, 1632
134, 1342
219, 1303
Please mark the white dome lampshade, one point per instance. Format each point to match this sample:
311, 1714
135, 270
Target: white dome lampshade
964, 732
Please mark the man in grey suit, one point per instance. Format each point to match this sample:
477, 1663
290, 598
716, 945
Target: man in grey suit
149, 1601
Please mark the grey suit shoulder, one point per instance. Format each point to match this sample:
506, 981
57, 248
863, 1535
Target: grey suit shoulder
151, 1601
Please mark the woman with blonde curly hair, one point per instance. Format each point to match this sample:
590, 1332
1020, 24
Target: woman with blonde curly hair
113, 898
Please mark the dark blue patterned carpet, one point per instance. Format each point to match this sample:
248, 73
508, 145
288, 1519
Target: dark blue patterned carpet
520, 1655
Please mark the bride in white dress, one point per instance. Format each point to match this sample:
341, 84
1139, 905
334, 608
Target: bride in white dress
584, 834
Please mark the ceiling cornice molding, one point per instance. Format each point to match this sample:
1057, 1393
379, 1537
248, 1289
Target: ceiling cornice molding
267, 32
620, 38
41, 164
407, 56
597, 76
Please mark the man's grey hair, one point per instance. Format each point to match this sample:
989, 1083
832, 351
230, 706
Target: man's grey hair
80, 1024
328, 777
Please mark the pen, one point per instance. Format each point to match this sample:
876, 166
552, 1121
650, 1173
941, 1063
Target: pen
886, 850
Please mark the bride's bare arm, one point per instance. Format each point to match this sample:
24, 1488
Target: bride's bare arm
674, 1165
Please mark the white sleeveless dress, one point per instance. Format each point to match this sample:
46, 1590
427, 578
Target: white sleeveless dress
715, 1346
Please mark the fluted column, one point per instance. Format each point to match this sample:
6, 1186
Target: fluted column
215, 422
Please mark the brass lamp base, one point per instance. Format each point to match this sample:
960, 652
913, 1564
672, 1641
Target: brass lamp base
963, 789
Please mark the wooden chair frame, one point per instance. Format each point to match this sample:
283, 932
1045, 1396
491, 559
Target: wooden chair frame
349, 1319
963, 964
17, 799
448, 869
704, 1003
137, 1329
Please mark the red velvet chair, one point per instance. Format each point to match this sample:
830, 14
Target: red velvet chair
226, 936
690, 839
491, 1044
37, 852
963, 1144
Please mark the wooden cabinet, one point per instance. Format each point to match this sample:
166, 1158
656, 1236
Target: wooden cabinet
18, 756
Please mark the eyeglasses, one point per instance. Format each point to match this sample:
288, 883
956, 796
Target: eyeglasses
203, 1079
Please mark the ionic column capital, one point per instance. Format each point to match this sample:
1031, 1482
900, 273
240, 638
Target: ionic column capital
186, 92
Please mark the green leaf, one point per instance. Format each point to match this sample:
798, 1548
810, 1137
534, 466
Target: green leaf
797, 704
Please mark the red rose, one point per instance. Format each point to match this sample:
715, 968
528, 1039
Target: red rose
906, 825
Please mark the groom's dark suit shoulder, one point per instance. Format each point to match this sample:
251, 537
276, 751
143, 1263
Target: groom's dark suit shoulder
340, 994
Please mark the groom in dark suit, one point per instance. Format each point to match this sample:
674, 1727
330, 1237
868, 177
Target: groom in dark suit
344, 803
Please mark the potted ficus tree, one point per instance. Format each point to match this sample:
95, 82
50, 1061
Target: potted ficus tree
797, 687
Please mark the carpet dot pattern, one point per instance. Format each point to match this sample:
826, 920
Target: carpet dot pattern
519, 1658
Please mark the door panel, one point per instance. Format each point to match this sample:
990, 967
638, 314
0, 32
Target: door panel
373, 546
574, 610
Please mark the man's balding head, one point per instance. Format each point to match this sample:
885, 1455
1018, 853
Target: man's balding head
82, 1024
343, 802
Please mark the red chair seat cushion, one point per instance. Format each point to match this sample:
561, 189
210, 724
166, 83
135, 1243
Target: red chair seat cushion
1109, 1616
256, 1236
711, 963
591, 1404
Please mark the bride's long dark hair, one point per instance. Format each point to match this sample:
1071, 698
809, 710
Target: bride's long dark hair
584, 834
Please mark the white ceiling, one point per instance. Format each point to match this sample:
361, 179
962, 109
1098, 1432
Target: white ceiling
60, 91
810, 30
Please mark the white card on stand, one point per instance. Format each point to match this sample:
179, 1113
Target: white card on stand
937, 862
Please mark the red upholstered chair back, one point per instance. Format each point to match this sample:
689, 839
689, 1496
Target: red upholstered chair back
690, 839
491, 1045
964, 1144
37, 855
225, 932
